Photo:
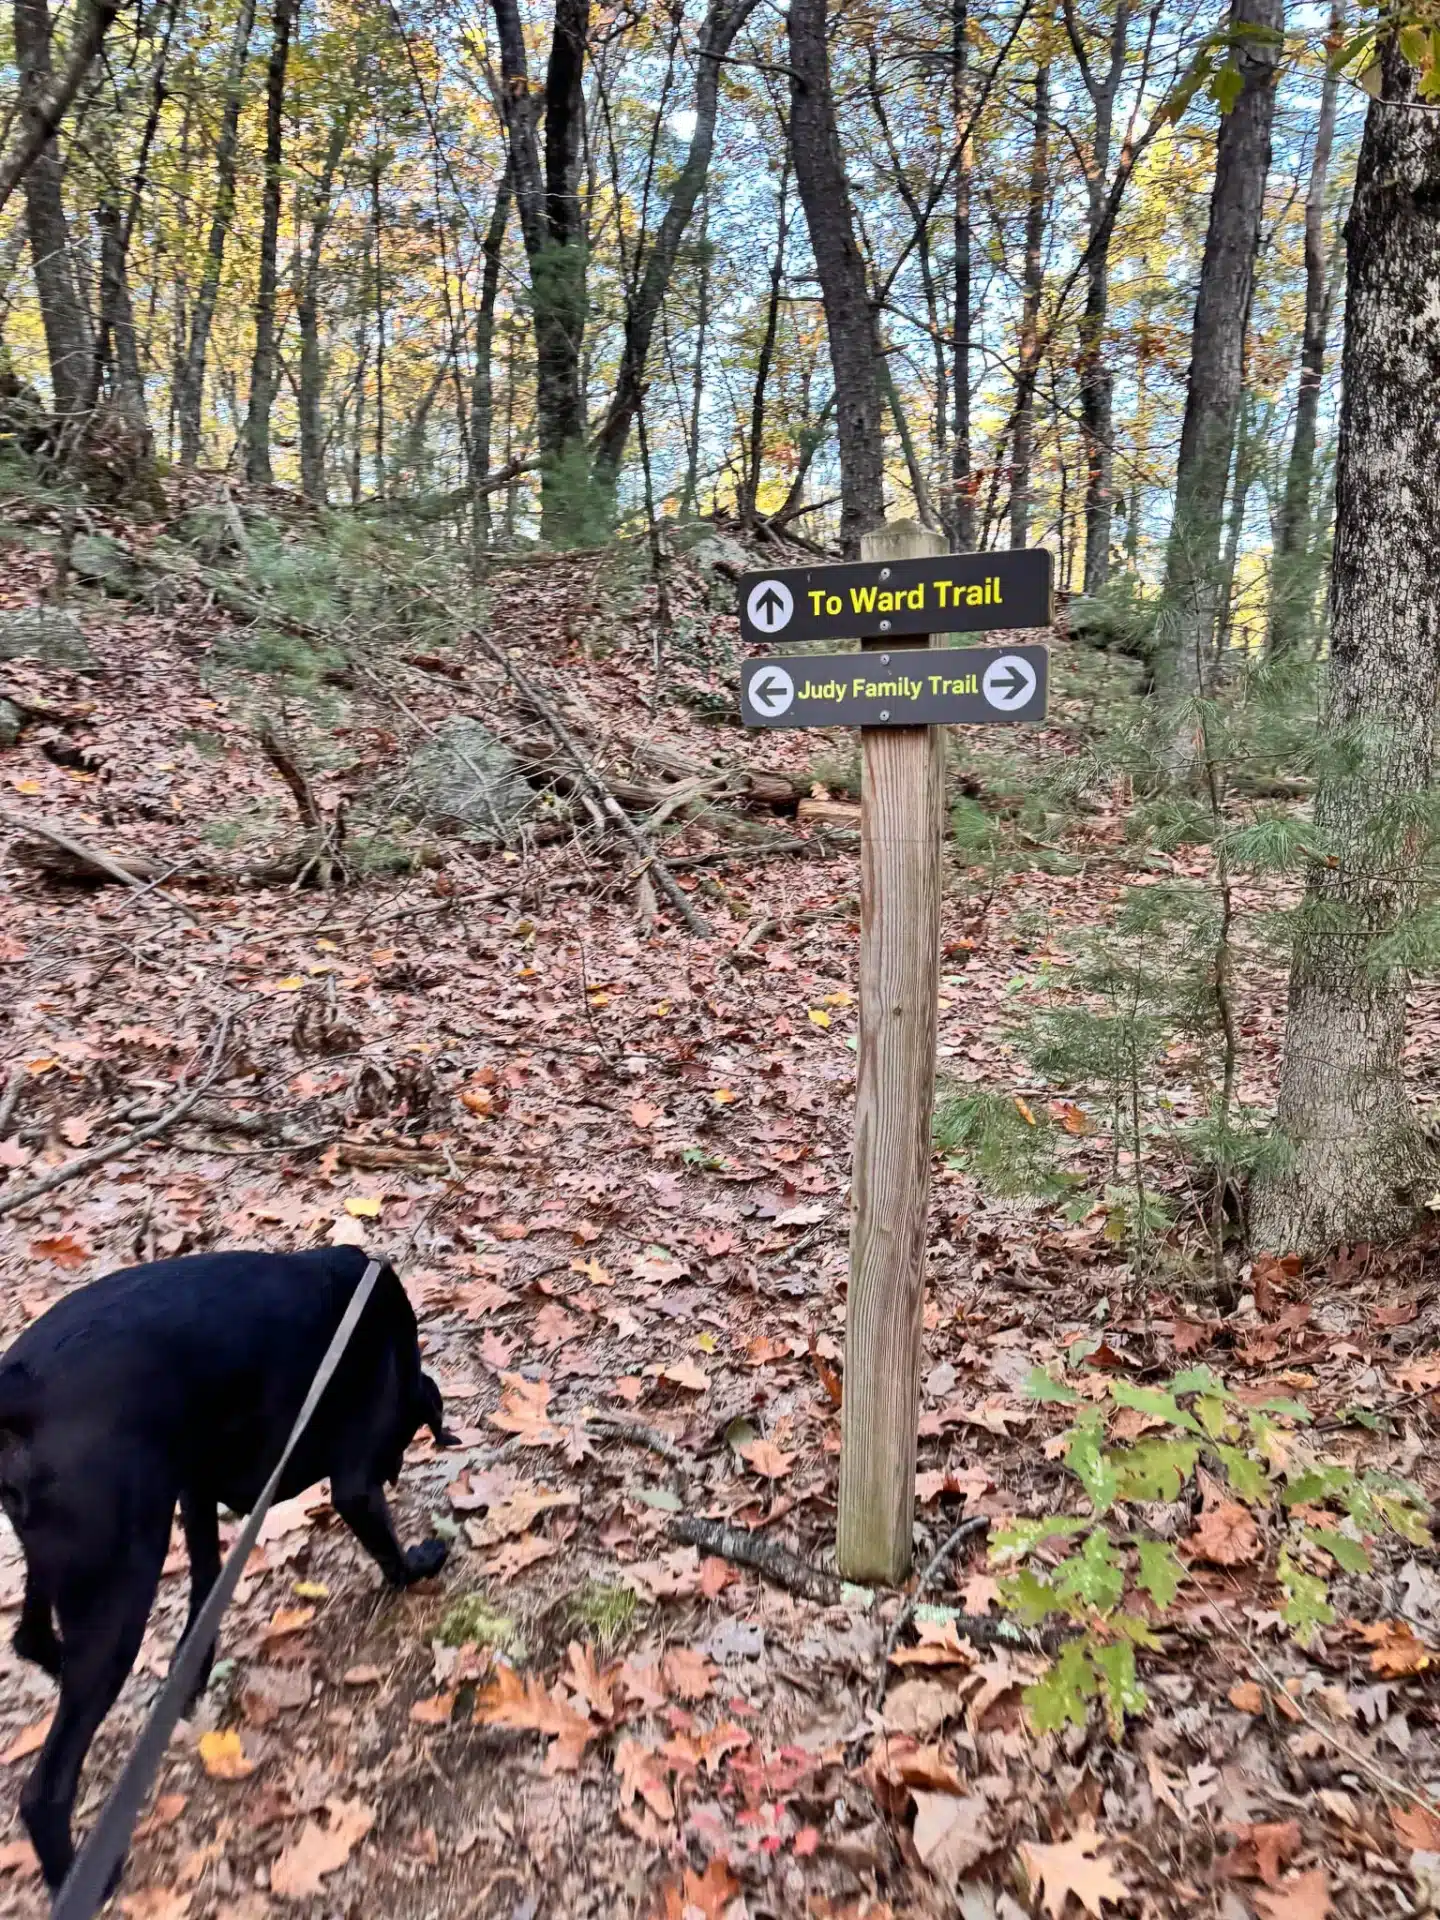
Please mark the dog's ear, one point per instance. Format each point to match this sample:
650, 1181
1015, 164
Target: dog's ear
433, 1413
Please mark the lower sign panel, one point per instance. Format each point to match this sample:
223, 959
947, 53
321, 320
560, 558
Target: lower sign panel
911, 687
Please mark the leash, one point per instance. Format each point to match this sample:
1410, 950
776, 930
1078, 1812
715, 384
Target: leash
88, 1880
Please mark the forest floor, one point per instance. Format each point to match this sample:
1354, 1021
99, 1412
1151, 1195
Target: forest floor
610, 1161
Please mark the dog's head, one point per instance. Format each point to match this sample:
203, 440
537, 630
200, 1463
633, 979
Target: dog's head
432, 1413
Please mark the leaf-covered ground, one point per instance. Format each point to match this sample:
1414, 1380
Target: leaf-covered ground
612, 1165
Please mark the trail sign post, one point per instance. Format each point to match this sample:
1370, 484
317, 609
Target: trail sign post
904, 589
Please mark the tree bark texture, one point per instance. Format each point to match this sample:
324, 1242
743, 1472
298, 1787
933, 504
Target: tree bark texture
552, 226
1096, 382
318, 204
263, 365
749, 501
1032, 287
45, 96
961, 516
482, 379
1294, 578
69, 347
190, 384
1217, 357
849, 318
1361, 1168
722, 22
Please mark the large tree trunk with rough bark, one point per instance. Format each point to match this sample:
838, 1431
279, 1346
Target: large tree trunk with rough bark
482, 380
1361, 1168
190, 383
849, 317
1217, 357
263, 365
69, 347
552, 225
1032, 287
1294, 573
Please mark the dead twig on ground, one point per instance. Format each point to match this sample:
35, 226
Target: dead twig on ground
967, 1530
642, 1436
10, 1099
777, 1563
97, 1156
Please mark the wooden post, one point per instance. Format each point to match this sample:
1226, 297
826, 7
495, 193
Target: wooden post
901, 821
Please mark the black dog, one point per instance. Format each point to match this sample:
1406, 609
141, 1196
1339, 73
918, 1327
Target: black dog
180, 1382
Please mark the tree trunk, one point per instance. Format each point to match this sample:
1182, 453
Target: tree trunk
69, 348
849, 318
690, 497
1096, 381
45, 96
1293, 580
961, 518
1217, 355
482, 379
1361, 1168
307, 306
190, 395
1033, 287
1248, 450
722, 22
553, 230
376, 226
263, 366
117, 326
749, 501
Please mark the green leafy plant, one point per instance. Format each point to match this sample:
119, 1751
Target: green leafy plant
1320, 1514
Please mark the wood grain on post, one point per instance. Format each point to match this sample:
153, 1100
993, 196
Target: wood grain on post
902, 818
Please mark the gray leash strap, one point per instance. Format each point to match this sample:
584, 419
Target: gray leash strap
85, 1884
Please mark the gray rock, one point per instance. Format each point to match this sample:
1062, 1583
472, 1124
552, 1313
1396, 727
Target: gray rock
465, 777
45, 633
11, 721
102, 562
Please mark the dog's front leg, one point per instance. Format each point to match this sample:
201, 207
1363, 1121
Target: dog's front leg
366, 1512
201, 1521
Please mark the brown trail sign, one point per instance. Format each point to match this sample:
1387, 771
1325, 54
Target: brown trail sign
903, 586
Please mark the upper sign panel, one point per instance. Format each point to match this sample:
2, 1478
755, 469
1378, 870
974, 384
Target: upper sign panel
883, 599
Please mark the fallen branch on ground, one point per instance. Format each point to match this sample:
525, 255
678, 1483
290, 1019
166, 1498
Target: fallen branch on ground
751, 1550
602, 795
967, 1529
140, 874
642, 1436
97, 1156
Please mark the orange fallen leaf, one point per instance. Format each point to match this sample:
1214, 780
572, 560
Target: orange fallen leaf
765, 1458
708, 1894
1247, 1696
1226, 1535
63, 1250
642, 1773
298, 1872
1072, 1866
1396, 1650
29, 1740
287, 1620
522, 1411
434, 1712
165, 1812
522, 1702
1272, 1842
688, 1673
1418, 1827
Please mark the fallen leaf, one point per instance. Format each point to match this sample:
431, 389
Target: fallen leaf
363, 1676
684, 1373
765, 1458
63, 1250
1418, 1827
18, 1857
77, 1129
642, 1774
1247, 1696
688, 1673
921, 1707
1396, 1650
29, 1740
522, 1702
1226, 1535
1273, 1842
516, 1555
553, 1326
434, 1712
951, 1833
364, 1206
267, 1692
644, 1115
1420, 1376
522, 1411
299, 1870
223, 1757
165, 1812
1073, 1866
1305, 1897
287, 1620
707, 1894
